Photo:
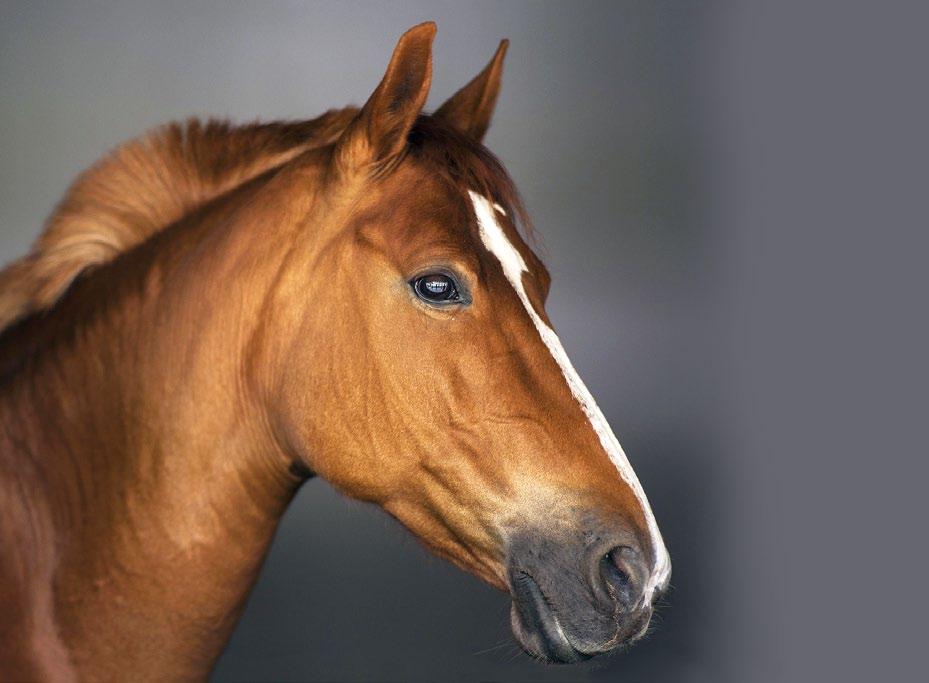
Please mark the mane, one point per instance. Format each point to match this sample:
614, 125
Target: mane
152, 181
143, 186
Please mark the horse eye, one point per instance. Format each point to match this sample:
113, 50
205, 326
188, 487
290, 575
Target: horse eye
436, 288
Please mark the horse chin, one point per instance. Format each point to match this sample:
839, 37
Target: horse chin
536, 625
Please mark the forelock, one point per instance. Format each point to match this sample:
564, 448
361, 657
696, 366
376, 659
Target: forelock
469, 165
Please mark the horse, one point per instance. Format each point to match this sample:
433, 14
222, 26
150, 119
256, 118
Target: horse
215, 314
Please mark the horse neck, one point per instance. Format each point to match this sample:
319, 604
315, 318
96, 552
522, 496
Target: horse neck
139, 432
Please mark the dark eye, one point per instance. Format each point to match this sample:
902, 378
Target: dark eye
436, 288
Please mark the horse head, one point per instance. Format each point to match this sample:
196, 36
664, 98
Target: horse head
410, 362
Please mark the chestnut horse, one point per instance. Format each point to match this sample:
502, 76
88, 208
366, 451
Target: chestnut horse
215, 314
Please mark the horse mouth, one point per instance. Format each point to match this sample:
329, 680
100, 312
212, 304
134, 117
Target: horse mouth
536, 625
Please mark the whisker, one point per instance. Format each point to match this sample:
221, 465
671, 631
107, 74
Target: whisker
499, 646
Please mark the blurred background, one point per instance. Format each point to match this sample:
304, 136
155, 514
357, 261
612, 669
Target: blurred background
731, 202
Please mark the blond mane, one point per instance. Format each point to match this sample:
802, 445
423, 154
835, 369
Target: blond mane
143, 186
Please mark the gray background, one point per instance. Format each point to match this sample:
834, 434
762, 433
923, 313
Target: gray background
732, 203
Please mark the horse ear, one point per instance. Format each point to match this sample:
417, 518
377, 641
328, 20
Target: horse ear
378, 134
470, 109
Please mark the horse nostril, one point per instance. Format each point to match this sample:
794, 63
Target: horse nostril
616, 563
622, 570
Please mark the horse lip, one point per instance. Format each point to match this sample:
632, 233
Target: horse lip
536, 613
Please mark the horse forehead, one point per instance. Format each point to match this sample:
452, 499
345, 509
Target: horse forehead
437, 220
500, 243
488, 215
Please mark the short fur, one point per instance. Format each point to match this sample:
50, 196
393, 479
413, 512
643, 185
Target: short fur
216, 313
145, 185
155, 180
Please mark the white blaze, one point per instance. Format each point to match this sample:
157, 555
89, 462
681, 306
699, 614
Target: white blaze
513, 268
